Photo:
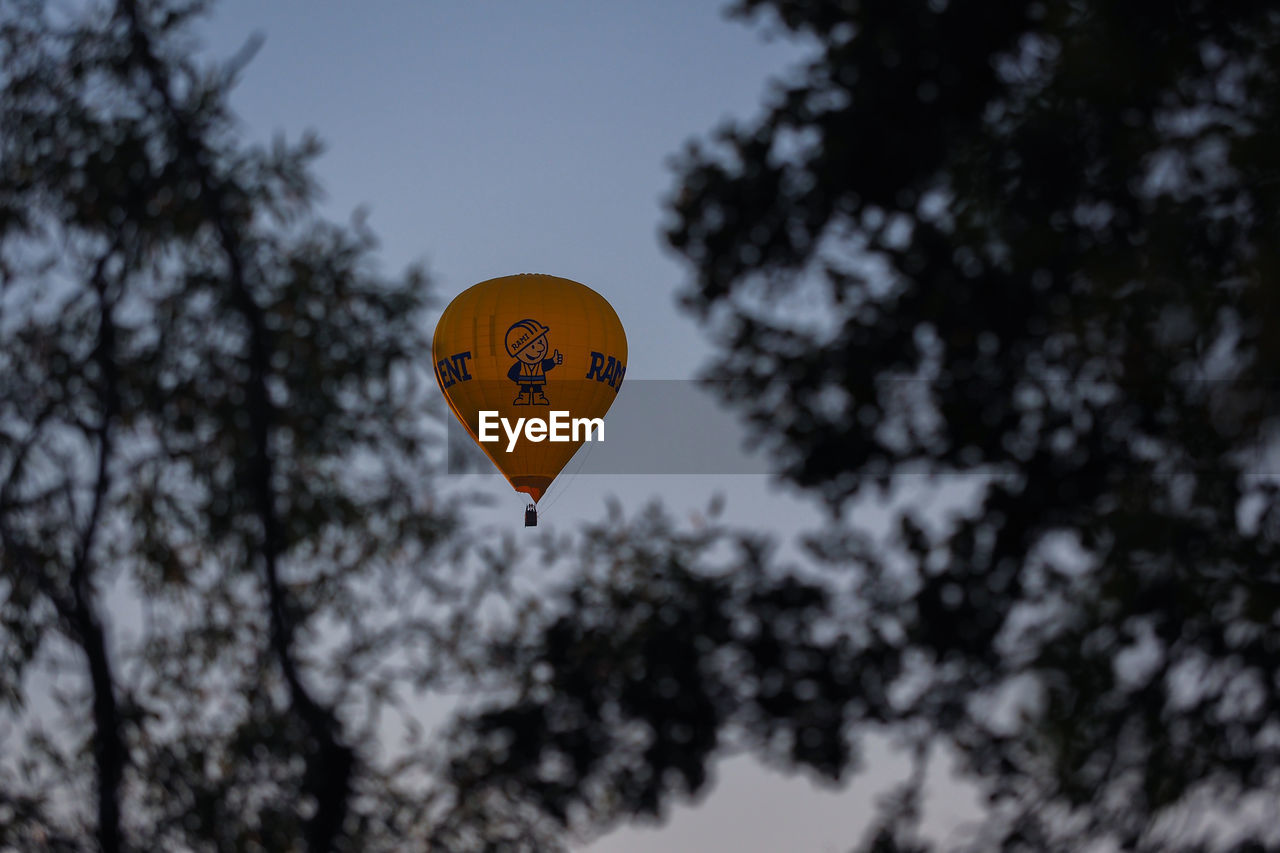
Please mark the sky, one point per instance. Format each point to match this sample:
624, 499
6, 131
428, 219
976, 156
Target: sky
492, 137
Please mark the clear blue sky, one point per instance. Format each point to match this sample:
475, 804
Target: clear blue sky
489, 137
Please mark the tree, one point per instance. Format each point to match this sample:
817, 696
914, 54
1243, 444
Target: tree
1027, 250
221, 561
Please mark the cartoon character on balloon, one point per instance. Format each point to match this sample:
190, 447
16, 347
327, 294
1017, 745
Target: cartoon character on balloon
527, 343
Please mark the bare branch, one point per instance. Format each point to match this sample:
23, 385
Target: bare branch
109, 749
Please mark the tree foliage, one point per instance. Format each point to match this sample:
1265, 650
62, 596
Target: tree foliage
1022, 254
221, 562
1014, 256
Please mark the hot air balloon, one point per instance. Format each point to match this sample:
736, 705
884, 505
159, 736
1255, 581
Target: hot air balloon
529, 364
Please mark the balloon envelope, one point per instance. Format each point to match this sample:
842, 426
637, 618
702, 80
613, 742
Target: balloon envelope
530, 346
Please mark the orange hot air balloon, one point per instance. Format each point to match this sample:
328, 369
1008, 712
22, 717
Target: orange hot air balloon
514, 351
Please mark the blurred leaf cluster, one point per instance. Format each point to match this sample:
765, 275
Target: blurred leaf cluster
222, 562
1005, 273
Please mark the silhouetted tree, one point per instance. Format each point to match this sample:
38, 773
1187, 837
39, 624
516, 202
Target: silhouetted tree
220, 560
1023, 251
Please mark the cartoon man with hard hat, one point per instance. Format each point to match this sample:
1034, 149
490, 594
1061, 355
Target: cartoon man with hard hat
527, 343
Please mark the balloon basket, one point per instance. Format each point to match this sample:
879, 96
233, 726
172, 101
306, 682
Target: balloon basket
531, 515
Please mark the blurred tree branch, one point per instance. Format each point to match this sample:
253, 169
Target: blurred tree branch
214, 477
330, 766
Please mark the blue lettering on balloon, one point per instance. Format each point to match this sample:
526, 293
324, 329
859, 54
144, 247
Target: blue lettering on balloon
453, 369
606, 369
